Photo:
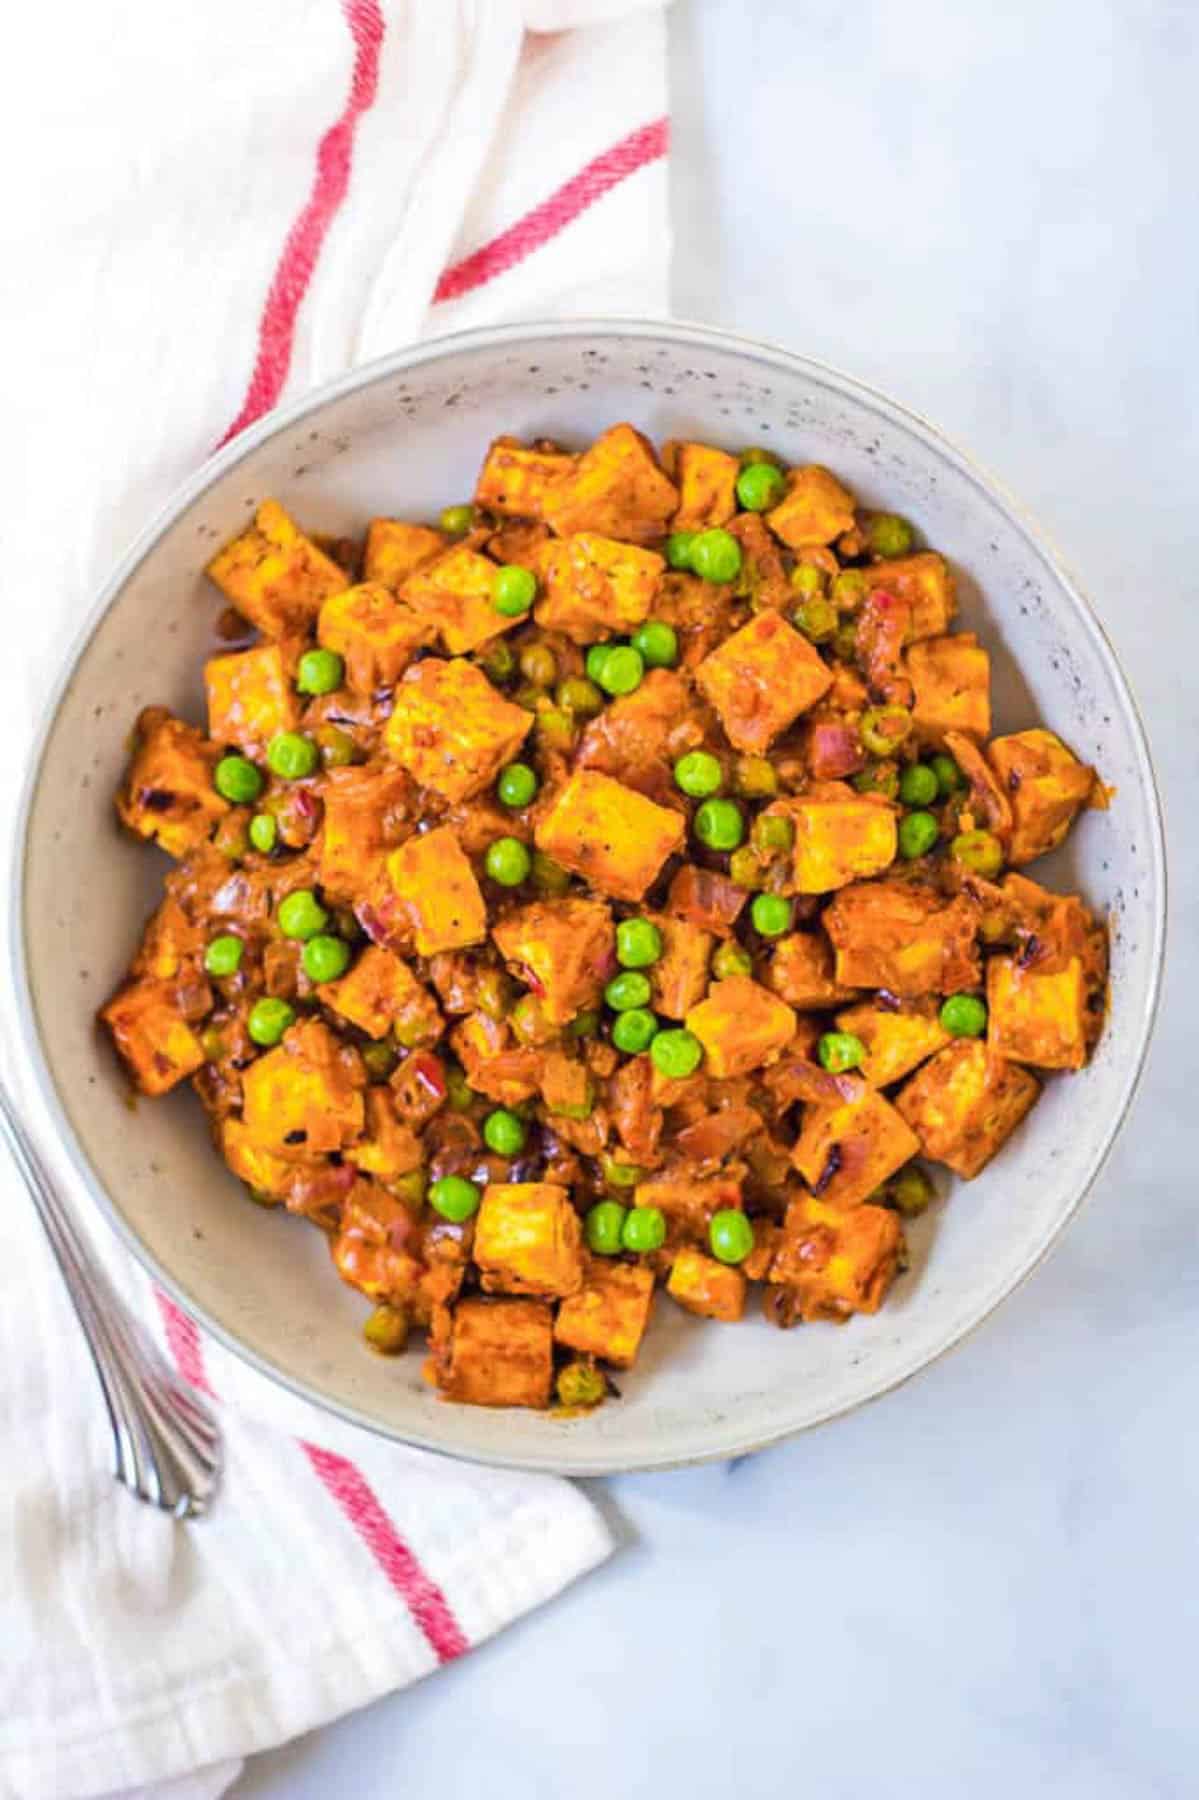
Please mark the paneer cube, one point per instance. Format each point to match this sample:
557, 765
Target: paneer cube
305, 1098
835, 1262
395, 550
926, 583
617, 488
707, 482
365, 809
528, 1240
270, 1176
840, 837
814, 510
495, 1065
800, 971
517, 482
452, 595
846, 1151
679, 978
250, 697
594, 587
171, 940
390, 1148
712, 1289
494, 1352
903, 937
381, 994
1036, 1016
274, 575
740, 1025
762, 678
375, 633
896, 1041
450, 728
608, 1316
951, 682
168, 794
965, 1103
436, 887
613, 837
1045, 785
638, 733
688, 1201
566, 1086
564, 950
152, 1035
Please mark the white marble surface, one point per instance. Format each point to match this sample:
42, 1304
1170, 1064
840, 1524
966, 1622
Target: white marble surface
985, 1583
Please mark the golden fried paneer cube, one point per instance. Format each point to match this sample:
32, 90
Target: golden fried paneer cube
381, 994
637, 733
846, 1151
740, 1025
897, 1041
152, 1035
926, 582
438, 892
903, 937
965, 1103
251, 697
840, 837
493, 1352
612, 836
563, 949
617, 488
517, 481
375, 633
712, 1289
814, 510
951, 684
451, 729
608, 1316
453, 595
389, 1147
395, 550
274, 575
836, 1261
168, 794
269, 1176
679, 978
363, 806
304, 1099
528, 1240
495, 1065
1045, 785
760, 679
707, 482
594, 587
1037, 1016
800, 971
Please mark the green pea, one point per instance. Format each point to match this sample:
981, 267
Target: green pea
678, 548
698, 774
628, 990
386, 1330
336, 746
964, 1015
597, 656
320, 672
729, 960
539, 665
730, 1235
918, 785
621, 1174
807, 580
918, 832
745, 869
508, 861
839, 1051
772, 833
264, 832
849, 590
756, 777
325, 958
584, 1024
504, 1132
644, 1229
513, 590
634, 1031
676, 1053
291, 756
268, 1020
580, 1384
548, 876
301, 915
771, 915
498, 660
458, 1090
816, 618
235, 778
949, 776
223, 955
379, 1060
456, 521
844, 643
912, 1191
638, 943
623, 670
455, 1198
760, 486
579, 697
883, 728
603, 1226
657, 644
888, 534
879, 778
517, 785
979, 851
716, 555
719, 824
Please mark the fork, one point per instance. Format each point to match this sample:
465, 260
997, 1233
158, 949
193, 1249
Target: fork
166, 1443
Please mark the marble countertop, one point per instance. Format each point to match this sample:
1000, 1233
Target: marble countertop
984, 1583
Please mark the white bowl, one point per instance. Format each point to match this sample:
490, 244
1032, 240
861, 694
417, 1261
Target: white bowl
405, 436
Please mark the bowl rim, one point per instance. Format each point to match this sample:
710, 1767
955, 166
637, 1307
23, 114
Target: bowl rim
430, 350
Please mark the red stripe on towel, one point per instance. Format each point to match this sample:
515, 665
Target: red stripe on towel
184, 1343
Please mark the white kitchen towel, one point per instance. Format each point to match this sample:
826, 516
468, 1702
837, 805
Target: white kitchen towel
208, 209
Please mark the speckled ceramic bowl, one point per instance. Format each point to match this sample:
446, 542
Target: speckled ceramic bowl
406, 436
